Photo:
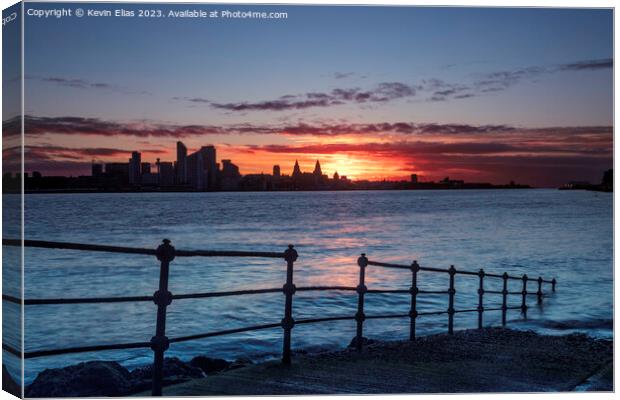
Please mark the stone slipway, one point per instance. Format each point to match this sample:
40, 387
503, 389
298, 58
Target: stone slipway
488, 360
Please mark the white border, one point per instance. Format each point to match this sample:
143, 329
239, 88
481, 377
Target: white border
466, 3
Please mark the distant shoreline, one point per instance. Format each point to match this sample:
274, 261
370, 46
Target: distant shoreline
70, 191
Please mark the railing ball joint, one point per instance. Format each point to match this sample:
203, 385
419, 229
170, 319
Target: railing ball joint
361, 289
362, 261
160, 343
162, 298
415, 267
287, 323
165, 251
289, 289
413, 314
414, 291
360, 317
290, 254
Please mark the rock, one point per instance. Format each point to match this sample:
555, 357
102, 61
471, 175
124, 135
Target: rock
365, 342
175, 371
240, 363
93, 378
209, 365
8, 384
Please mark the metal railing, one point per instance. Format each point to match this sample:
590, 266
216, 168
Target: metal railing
166, 253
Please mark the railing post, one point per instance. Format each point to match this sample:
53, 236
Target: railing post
523, 296
451, 292
504, 298
539, 293
361, 289
162, 297
290, 255
480, 295
413, 312
553, 285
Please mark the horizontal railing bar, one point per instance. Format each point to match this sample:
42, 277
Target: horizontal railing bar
462, 272
318, 288
387, 291
86, 349
29, 302
225, 332
432, 312
135, 250
224, 294
11, 299
136, 298
387, 316
11, 350
515, 293
465, 310
324, 319
387, 265
217, 253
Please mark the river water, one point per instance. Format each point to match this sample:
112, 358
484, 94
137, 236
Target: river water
563, 234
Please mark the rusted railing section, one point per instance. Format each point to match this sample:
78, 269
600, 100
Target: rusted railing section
162, 298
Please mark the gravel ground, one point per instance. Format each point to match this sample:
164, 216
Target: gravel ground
487, 360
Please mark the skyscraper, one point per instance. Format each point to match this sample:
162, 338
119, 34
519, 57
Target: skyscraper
134, 168
181, 167
202, 169
276, 171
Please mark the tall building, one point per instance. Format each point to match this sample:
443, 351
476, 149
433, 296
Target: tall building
336, 176
166, 173
181, 167
414, 178
146, 168
117, 171
276, 171
202, 169
134, 168
230, 176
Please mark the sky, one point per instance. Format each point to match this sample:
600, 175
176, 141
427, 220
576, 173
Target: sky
486, 95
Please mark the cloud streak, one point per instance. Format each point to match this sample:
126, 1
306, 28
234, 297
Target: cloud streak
77, 83
381, 93
39, 126
431, 89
